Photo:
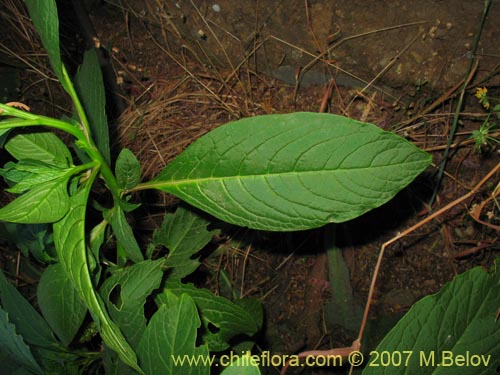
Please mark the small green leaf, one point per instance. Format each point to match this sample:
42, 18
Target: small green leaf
230, 318
243, 365
69, 238
60, 303
124, 233
45, 203
292, 172
125, 293
28, 322
90, 87
128, 169
461, 321
171, 336
184, 234
14, 347
42, 147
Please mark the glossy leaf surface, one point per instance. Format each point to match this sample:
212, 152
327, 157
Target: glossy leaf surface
45, 203
42, 147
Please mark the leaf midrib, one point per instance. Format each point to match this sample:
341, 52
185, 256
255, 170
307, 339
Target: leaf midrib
189, 181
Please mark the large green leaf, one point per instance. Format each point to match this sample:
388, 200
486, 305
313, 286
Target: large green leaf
171, 337
42, 147
46, 21
184, 234
291, 172
28, 322
456, 331
90, 88
13, 346
125, 293
46, 203
60, 303
230, 319
69, 239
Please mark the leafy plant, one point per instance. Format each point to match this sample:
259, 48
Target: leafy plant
454, 331
280, 172
483, 140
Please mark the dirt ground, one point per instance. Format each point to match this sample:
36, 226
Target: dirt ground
169, 97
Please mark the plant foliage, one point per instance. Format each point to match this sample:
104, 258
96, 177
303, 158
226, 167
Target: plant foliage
280, 172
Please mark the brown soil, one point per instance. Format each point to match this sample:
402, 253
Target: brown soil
171, 99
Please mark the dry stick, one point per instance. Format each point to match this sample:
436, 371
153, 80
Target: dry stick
412, 229
470, 73
472, 70
440, 100
346, 351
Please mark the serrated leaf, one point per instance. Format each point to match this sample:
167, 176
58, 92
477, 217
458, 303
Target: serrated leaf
45, 203
127, 169
460, 321
230, 319
27, 174
14, 347
69, 238
124, 234
90, 87
42, 147
45, 18
171, 334
60, 303
125, 293
28, 322
292, 172
184, 234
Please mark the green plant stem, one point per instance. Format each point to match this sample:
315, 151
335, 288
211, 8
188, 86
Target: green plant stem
106, 172
78, 106
28, 119
43, 121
